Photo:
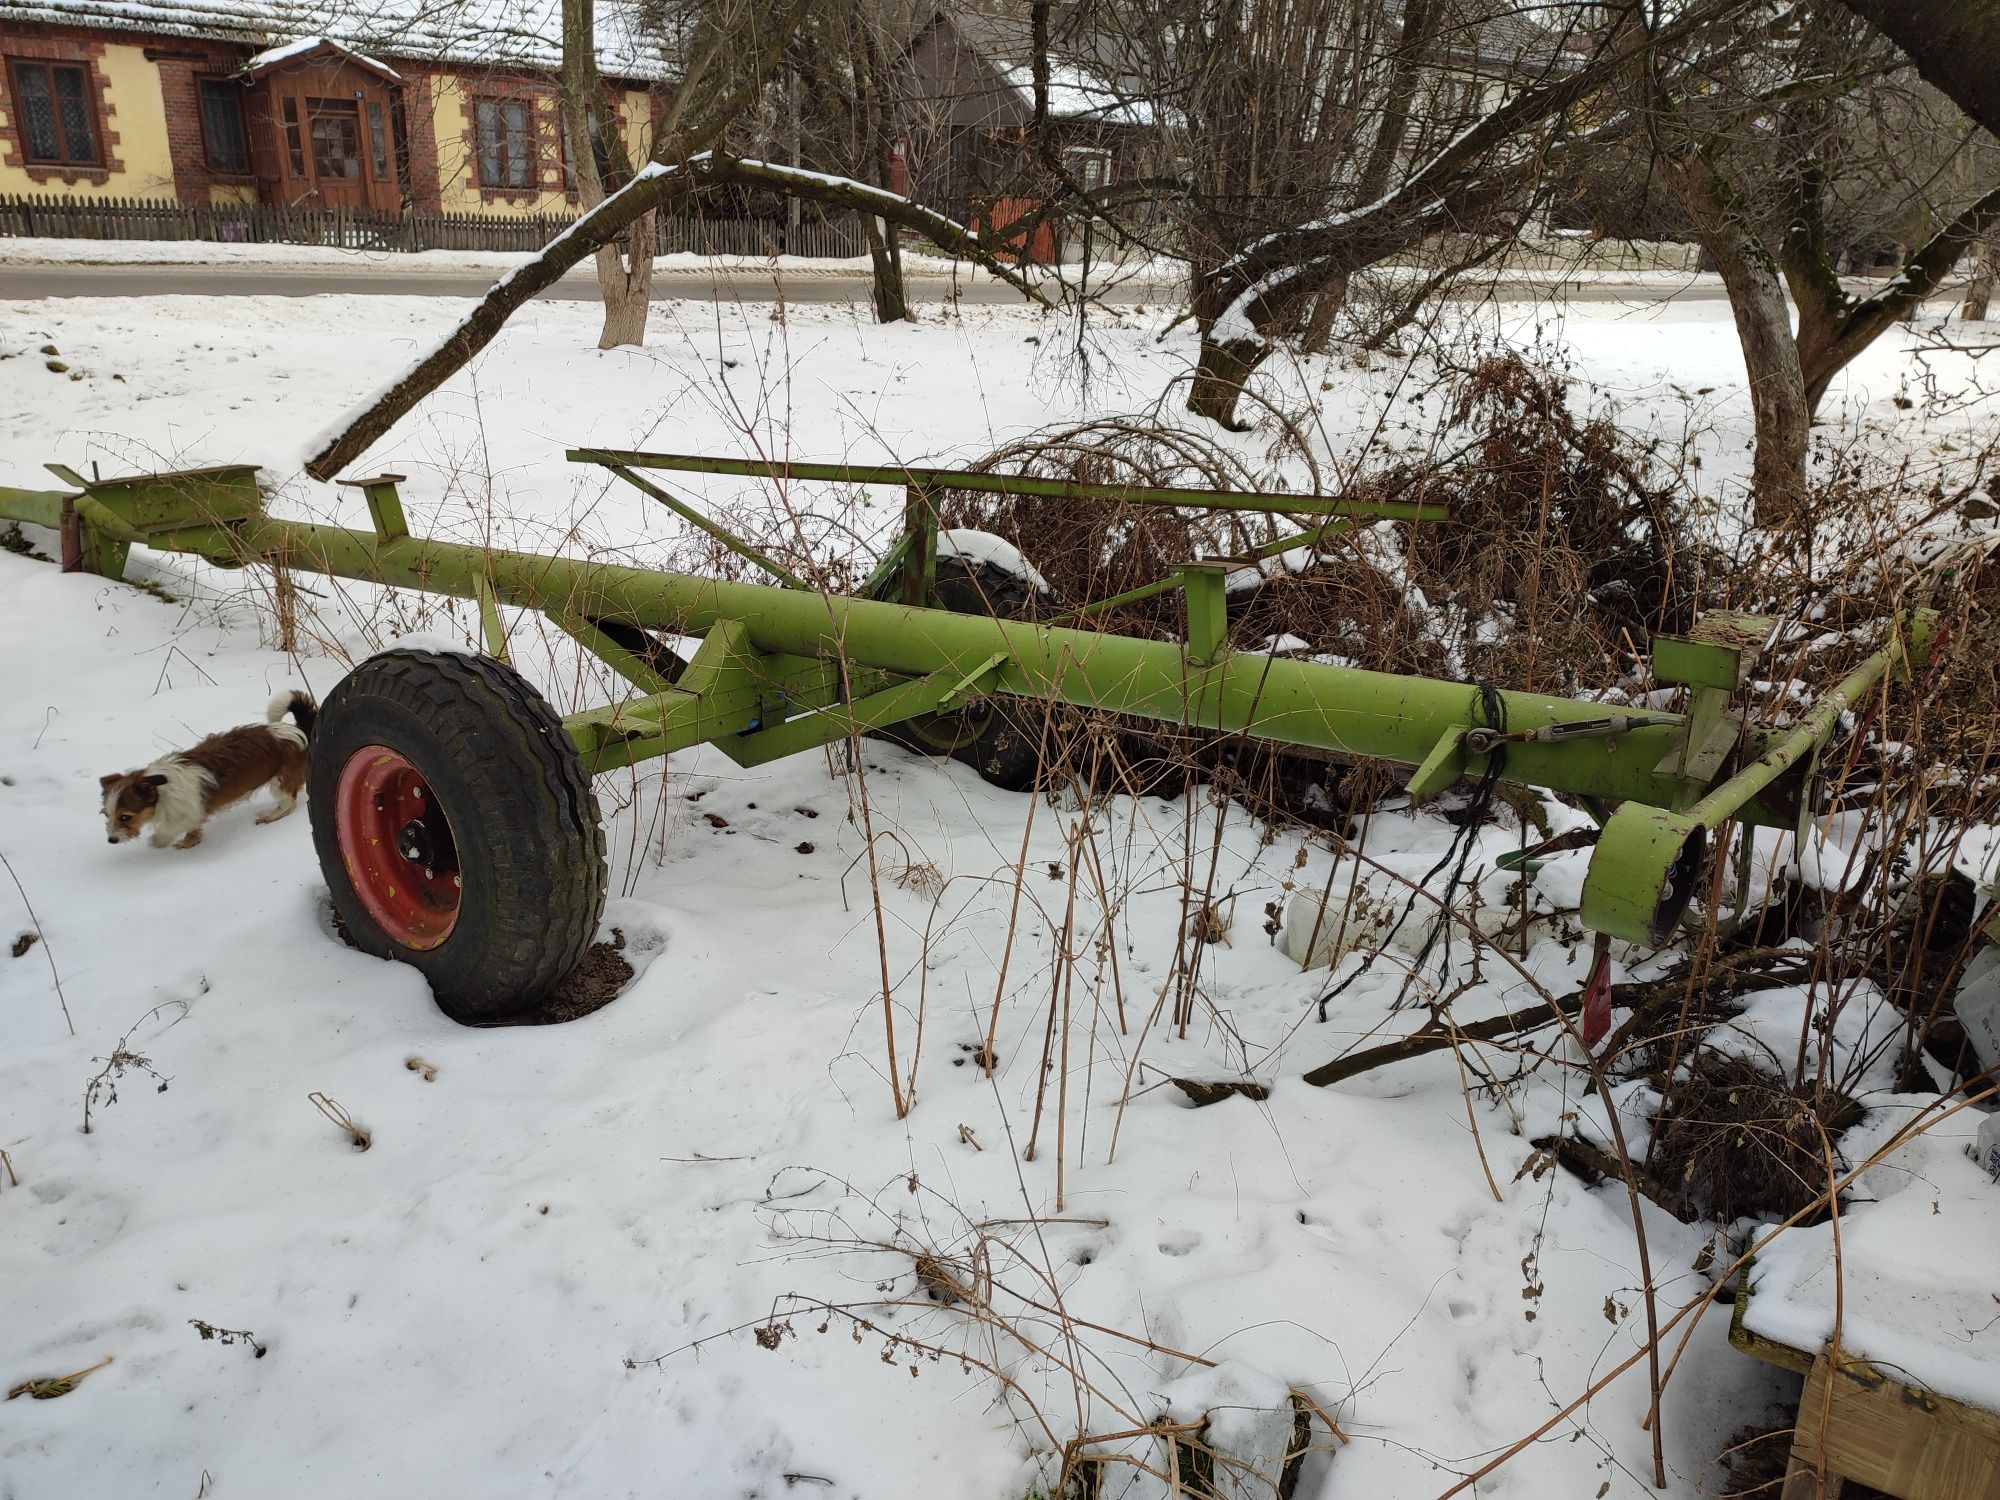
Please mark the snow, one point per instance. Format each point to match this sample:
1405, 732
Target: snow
271, 57
1077, 94
1914, 1256
715, 1152
994, 551
471, 33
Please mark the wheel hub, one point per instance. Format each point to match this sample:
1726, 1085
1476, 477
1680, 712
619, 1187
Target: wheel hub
398, 848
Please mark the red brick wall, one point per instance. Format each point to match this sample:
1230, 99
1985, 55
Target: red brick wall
181, 65
418, 87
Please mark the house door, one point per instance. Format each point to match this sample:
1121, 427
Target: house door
333, 132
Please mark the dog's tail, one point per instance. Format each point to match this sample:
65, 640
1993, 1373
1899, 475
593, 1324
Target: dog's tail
299, 705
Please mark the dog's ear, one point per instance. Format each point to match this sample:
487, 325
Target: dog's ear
107, 782
156, 781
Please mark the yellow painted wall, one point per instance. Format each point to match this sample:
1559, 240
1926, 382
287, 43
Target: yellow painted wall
638, 107
135, 112
451, 118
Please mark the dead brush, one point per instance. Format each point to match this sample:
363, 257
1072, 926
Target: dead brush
102, 1090
1739, 1141
1569, 545
990, 1299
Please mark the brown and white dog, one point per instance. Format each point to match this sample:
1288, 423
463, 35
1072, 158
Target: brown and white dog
176, 794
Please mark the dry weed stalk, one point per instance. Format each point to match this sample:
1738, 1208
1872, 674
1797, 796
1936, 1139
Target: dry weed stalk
47, 953
358, 1137
48, 1388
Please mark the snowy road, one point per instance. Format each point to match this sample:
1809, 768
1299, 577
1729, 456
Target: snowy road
36, 282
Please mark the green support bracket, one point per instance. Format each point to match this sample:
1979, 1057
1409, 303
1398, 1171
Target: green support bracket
1713, 661
1206, 587
1440, 768
490, 624
892, 705
600, 643
385, 505
702, 524
107, 540
891, 566
920, 530
1642, 876
719, 696
784, 470
974, 684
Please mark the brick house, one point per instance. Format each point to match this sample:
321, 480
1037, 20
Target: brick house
367, 104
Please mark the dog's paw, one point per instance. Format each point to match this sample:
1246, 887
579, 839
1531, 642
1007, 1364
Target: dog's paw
189, 840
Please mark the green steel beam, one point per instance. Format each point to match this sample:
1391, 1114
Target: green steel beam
784, 470
1342, 709
36, 507
782, 669
701, 523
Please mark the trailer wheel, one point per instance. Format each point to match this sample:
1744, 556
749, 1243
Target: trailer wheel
1000, 738
456, 829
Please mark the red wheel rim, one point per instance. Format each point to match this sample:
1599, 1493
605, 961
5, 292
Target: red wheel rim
401, 858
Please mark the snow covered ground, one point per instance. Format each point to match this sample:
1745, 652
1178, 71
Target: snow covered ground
548, 1273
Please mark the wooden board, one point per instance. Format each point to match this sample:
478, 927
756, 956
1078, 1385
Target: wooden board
1859, 1423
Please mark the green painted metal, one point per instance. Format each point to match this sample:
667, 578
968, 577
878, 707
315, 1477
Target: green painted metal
1308, 538
36, 507
1306, 703
783, 470
1637, 883
707, 527
614, 653
145, 503
782, 669
385, 504
1207, 592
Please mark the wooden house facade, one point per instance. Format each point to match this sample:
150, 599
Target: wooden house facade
372, 105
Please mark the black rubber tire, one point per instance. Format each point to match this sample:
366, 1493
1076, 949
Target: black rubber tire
506, 775
1000, 738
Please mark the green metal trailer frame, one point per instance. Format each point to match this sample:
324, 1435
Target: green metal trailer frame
783, 667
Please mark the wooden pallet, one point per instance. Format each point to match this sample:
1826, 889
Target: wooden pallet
1857, 1423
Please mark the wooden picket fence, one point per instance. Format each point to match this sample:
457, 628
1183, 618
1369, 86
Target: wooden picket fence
54, 216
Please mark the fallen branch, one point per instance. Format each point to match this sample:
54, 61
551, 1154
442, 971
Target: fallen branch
656, 185
1436, 1038
1771, 967
1594, 1164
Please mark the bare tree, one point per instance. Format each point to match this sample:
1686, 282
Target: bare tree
1954, 45
1808, 134
1321, 137
844, 113
590, 129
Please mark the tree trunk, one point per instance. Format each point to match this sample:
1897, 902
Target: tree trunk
625, 279
886, 260
1780, 409
1326, 307
1980, 292
1219, 377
